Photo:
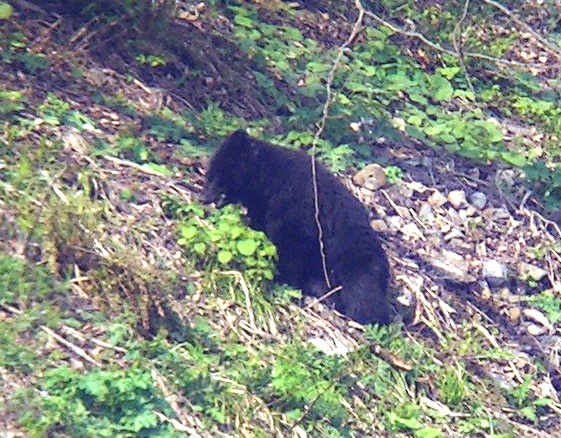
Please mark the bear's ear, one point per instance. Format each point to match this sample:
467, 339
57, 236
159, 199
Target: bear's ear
239, 140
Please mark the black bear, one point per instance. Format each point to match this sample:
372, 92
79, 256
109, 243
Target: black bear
275, 185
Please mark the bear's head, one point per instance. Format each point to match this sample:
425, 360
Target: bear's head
228, 169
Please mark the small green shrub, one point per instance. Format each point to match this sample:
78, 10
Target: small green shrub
20, 283
550, 303
11, 101
55, 111
221, 239
99, 403
393, 174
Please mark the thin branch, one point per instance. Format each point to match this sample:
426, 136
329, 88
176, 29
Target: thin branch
548, 45
321, 126
79, 351
439, 48
458, 45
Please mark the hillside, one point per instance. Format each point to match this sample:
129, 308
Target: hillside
128, 309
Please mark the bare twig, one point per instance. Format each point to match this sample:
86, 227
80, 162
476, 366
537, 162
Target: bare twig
439, 48
136, 166
547, 45
321, 126
458, 45
79, 351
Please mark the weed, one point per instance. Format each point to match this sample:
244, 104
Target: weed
393, 174
55, 111
221, 239
550, 303
100, 403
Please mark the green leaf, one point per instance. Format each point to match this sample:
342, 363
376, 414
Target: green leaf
317, 67
416, 119
418, 98
188, 232
441, 88
199, 248
246, 247
51, 120
242, 20
494, 134
435, 129
409, 423
293, 34
225, 257
514, 158
158, 168
530, 413
5, 10
449, 72
428, 432
399, 81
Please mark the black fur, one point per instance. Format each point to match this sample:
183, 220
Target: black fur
275, 186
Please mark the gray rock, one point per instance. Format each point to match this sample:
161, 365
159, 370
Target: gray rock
453, 234
526, 271
478, 200
425, 213
494, 272
452, 266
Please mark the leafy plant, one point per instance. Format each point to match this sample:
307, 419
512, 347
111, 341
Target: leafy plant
452, 385
547, 181
11, 102
55, 111
550, 303
100, 403
151, 60
21, 283
393, 174
221, 239
167, 126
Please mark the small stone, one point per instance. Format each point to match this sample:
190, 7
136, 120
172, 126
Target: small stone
379, 225
380, 212
461, 244
457, 198
478, 200
499, 213
470, 211
514, 314
453, 234
412, 232
504, 293
425, 213
485, 290
481, 249
453, 266
417, 186
437, 199
454, 217
372, 177
535, 330
395, 222
494, 272
538, 317
529, 272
